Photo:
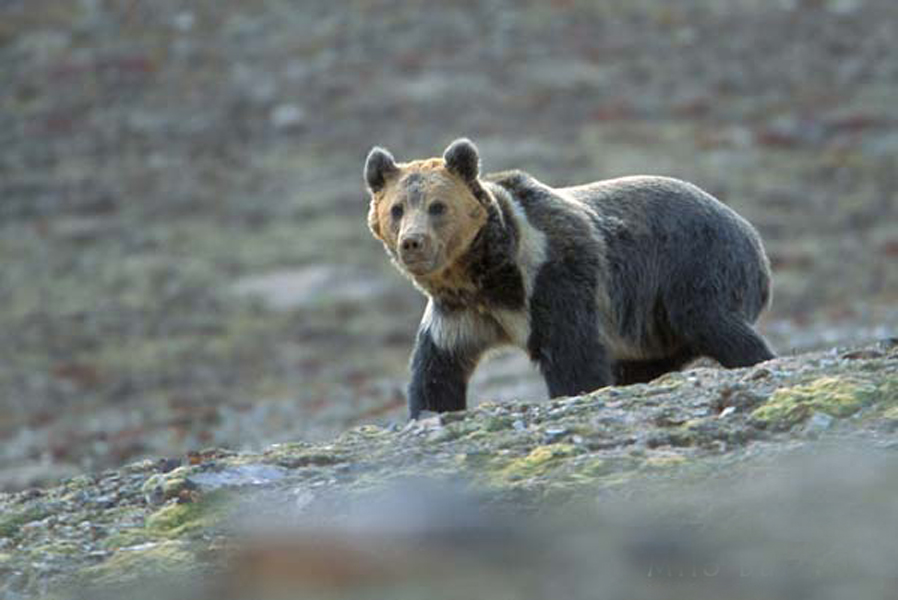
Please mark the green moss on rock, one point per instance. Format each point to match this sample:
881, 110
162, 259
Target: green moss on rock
175, 520
665, 461
292, 456
167, 485
538, 462
11, 522
591, 469
836, 396
886, 400
136, 562
125, 538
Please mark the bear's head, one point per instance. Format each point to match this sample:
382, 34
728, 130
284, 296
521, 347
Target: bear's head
426, 212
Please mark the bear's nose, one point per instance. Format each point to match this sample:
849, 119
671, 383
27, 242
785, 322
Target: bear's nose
414, 243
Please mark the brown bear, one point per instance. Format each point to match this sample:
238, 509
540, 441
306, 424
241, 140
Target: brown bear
612, 282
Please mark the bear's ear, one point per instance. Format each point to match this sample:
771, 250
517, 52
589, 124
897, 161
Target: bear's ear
461, 158
379, 167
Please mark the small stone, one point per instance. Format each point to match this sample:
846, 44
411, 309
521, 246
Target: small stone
453, 417
184, 21
727, 412
519, 425
287, 116
430, 423
555, 434
862, 354
152, 490
187, 495
135, 469
844, 7
304, 499
237, 476
108, 501
740, 399
166, 465
669, 418
207, 455
759, 373
818, 423
31, 494
441, 435
83, 228
32, 526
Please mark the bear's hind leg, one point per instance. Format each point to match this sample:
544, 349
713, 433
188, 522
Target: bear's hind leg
627, 372
729, 340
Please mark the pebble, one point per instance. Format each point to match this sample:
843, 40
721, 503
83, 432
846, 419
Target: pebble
285, 116
304, 499
184, 21
759, 373
555, 434
863, 353
429, 424
237, 476
107, 501
818, 423
168, 464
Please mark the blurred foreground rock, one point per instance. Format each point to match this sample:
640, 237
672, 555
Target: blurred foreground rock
777, 481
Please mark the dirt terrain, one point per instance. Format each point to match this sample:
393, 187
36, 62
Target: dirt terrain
777, 481
184, 260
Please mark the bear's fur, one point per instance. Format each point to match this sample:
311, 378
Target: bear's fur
617, 281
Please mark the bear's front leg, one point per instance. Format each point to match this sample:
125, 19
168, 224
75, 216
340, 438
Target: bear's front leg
565, 343
440, 376
573, 365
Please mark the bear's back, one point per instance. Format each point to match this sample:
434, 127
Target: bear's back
652, 230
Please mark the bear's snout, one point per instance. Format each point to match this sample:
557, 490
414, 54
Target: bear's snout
415, 243
415, 250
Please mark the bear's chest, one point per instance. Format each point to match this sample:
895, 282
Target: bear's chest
481, 291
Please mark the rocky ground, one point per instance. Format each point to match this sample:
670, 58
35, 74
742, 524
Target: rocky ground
185, 261
776, 481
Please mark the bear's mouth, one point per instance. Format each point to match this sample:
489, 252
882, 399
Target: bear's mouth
420, 265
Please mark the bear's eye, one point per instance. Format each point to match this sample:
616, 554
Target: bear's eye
396, 212
436, 209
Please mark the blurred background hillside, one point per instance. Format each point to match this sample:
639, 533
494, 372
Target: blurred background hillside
184, 260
